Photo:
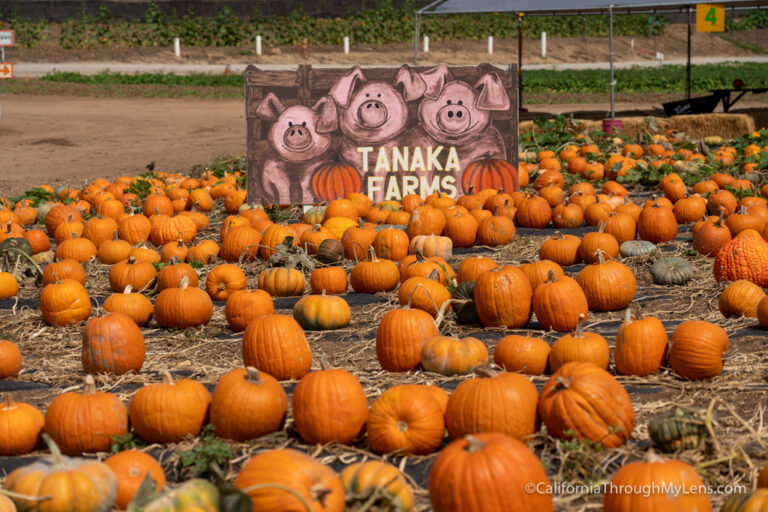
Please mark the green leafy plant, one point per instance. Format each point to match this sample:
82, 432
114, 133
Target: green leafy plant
208, 450
127, 441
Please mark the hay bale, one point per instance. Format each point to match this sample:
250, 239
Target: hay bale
695, 126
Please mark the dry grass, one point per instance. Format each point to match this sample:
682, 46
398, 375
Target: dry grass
696, 126
738, 397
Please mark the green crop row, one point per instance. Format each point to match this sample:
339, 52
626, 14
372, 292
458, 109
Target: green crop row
383, 24
669, 79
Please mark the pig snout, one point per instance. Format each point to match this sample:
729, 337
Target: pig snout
297, 137
372, 113
454, 118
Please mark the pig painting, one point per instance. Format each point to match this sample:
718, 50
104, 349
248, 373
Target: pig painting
299, 142
373, 115
455, 114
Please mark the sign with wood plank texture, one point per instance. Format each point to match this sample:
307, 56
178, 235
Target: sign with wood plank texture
317, 134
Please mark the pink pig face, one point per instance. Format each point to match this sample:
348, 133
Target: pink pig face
373, 112
299, 133
453, 117
376, 112
453, 112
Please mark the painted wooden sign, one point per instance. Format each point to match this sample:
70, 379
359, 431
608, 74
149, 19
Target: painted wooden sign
317, 134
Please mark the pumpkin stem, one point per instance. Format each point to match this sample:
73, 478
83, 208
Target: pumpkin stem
558, 235
743, 210
128, 289
441, 313
253, 376
115, 237
433, 275
9, 403
562, 383
372, 252
485, 372
167, 377
655, 201
58, 459
627, 315
131, 260
579, 327
89, 386
184, 282
551, 276
600, 256
474, 444
324, 363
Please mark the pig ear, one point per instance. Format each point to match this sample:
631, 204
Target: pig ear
492, 96
413, 85
342, 90
328, 119
435, 79
270, 107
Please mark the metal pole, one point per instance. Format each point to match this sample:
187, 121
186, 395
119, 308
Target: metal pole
416, 39
520, 58
610, 54
688, 63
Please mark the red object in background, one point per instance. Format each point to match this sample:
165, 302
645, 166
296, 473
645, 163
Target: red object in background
738, 83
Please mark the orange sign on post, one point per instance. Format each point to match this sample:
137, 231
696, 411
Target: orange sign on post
710, 18
6, 70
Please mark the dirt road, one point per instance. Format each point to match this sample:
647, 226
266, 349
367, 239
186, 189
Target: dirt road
65, 140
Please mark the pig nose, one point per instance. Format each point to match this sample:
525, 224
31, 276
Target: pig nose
453, 118
297, 137
372, 114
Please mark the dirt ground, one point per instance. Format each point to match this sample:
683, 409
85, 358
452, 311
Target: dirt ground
66, 140
559, 50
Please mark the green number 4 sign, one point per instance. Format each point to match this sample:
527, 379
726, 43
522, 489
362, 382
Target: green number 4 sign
710, 18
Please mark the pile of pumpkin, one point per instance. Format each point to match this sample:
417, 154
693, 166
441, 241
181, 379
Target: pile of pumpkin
404, 243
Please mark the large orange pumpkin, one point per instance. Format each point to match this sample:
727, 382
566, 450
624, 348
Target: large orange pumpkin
644, 486
743, 258
489, 473
277, 345
267, 475
583, 401
493, 402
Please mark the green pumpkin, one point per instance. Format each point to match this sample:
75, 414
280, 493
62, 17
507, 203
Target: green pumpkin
681, 429
464, 307
10, 245
322, 312
636, 248
757, 500
199, 495
671, 271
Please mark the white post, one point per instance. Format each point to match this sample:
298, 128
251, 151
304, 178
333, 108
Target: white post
426, 44
490, 44
258, 45
660, 57
176, 47
346, 45
543, 45
632, 43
